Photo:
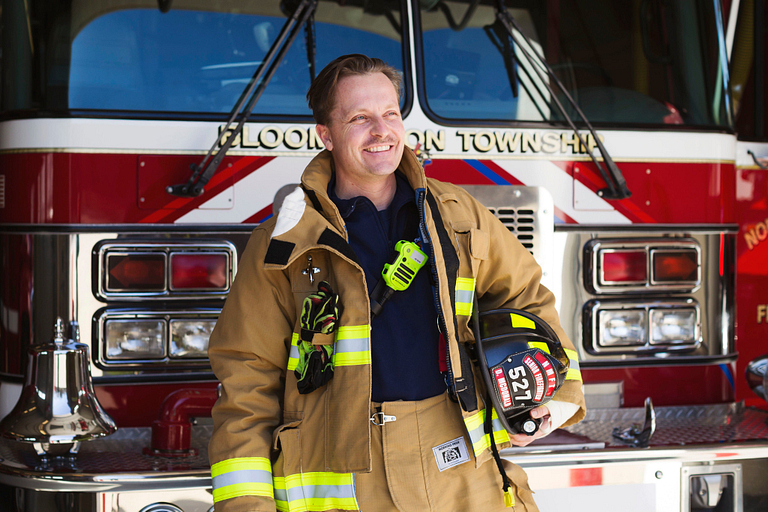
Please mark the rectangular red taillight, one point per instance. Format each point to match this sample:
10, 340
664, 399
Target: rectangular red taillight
623, 267
135, 272
199, 271
675, 266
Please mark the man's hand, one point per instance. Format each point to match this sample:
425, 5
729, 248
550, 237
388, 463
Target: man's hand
544, 428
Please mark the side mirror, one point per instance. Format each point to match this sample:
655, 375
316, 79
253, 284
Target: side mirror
757, 375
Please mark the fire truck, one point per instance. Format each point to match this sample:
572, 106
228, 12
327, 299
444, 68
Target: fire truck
622, 141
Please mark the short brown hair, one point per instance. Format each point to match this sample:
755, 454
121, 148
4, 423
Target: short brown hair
321, 96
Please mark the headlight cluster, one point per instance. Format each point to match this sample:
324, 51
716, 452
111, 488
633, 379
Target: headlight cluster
642, 288
140, 338
162, 298
632, 326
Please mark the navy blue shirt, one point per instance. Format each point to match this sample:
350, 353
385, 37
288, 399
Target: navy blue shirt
404, 337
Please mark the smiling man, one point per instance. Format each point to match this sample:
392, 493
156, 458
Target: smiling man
339, 394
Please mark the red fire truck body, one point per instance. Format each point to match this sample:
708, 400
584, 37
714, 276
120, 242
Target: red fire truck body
106, 106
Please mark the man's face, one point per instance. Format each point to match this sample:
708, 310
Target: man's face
366, 133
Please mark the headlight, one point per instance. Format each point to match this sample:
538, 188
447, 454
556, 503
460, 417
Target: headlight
135, 339
622, 327
189, 338
673, 326
636, 326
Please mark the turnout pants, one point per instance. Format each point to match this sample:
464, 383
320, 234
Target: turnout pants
422, 460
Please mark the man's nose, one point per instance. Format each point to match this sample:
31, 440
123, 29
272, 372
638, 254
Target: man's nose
379, 127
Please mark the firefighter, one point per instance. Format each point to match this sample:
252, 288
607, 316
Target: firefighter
328, 406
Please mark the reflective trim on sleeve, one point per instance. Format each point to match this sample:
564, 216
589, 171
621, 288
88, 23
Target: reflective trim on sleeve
353, 346
465, 291
243, 476
476, 428
315, 492
293, 357
574, 371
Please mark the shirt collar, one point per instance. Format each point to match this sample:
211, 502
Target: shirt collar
403, 195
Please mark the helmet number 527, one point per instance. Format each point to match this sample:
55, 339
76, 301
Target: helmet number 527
520, 383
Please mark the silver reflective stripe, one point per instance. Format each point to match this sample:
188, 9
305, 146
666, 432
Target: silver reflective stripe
464, 296
315, 491
294, 352
352, 345
242, 476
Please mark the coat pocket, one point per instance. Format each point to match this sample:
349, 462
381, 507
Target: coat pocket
291, 421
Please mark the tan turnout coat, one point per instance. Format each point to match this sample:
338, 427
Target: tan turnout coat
272, 446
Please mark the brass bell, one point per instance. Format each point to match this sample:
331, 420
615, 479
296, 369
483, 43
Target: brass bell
57, 408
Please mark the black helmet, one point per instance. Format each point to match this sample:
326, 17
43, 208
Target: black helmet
522, 362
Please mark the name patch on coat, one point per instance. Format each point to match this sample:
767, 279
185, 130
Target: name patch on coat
451, 454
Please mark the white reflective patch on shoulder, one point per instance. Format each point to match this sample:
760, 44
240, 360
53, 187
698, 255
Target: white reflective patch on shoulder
451, 454
290, 213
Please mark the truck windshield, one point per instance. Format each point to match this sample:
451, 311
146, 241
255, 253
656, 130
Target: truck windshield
624, 61
193, 60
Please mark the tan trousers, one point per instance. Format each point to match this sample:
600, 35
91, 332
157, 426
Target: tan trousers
407, 457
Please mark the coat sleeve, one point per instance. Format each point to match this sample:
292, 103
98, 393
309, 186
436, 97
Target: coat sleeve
510, 277
249, 351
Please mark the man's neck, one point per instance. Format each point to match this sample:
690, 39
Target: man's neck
380, 191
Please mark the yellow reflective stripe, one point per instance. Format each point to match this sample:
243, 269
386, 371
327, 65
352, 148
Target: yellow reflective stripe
242, 476
317, 504
539, 344
573, 374
353, 346
319, 491
484, 443
521, 322
352, 359
245, 489
476, 429
574, 371
293, 357
225, 466
465, 290
346, 332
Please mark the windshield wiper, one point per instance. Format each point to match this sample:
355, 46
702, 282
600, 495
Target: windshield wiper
616, 186
203, 171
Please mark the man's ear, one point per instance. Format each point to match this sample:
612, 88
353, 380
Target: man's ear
325, 135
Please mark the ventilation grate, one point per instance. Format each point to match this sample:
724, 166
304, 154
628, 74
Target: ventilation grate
520, 222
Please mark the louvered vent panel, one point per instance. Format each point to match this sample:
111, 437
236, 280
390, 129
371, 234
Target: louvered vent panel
521, 223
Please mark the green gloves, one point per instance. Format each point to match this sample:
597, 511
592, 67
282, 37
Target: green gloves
319, 314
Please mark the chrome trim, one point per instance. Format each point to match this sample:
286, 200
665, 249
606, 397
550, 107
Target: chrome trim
168, 248
593, 273
592, 328
165, 315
